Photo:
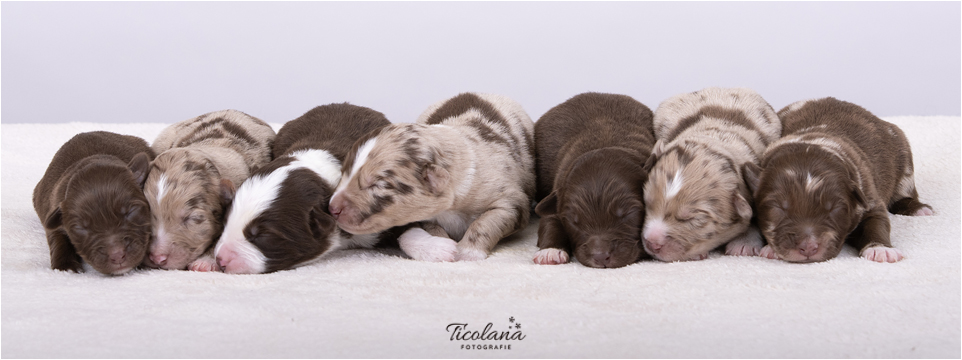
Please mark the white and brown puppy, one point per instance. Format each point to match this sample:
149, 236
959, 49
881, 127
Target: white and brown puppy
590, 153
832, 179
465, 171
91, 203
192, 180
696, 199
279, 217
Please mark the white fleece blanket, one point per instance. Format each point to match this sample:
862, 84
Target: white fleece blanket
368, 303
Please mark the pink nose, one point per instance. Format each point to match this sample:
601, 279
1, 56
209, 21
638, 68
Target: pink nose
336, 206
808, 247
158, 259
117, 255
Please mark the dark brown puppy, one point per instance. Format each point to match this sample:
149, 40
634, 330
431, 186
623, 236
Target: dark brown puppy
92, 205
279, 217
590, 152
829, 180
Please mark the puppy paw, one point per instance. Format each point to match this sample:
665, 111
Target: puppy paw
768, 252
924, 211
466, 253
882, 254
744, 247
551, 256
204, 263
696, 257
420, 245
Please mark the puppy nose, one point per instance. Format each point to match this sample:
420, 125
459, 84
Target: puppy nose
158, 259
601, 257
117, 255
655, 243
336, 206
808, 247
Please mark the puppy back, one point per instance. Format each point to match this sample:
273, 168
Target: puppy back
736, 106
334, 127
246, 135
81, 146
588, 122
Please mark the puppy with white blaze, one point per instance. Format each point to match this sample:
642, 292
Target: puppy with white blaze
192, 181
695, 197
464, 172
832, 179
279, 218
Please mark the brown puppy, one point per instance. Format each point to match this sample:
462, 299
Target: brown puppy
590, 151
199, 163
279, 218
465, 171
829, 180
91, 203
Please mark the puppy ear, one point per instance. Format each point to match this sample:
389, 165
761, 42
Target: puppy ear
54, 219
742, 206
548, 205
858, 197
322, 223
435, 178
656, 152
227, 191
140, 165
751, 173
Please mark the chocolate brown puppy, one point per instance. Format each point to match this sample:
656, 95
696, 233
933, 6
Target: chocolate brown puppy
279, 217
590, 151
830, 180
91, 203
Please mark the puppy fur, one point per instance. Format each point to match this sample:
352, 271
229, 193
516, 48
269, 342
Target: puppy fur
279, 217
465, 171
695, 196
91, 203
831, 179
192, 180
590, 152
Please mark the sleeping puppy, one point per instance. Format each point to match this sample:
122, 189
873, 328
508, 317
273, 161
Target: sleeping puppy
279, 218
590, 152
695, 198
91, 203
465, 171
192, 181
831, 179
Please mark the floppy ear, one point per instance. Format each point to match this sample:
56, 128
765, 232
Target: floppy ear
322, 223
548, 205
859, 197
751, 173
434, 178
227, 191
656, 152
742, 206
54, 219
140, 165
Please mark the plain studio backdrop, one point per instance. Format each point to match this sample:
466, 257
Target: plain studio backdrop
167, 62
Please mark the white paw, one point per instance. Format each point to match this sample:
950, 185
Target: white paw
420, 245
749, 244
768, 252
551, 256
924, 211
467, 253
882, 254
204, 263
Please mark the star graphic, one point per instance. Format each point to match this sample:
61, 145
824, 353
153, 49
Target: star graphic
511, 319
517, 326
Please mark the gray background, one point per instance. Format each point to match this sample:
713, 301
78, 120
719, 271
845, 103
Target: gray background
166, 62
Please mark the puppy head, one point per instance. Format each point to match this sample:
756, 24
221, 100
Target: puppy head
187, 197
600, 207
278, 219
106, 216
806, 204
694, 202
391, 179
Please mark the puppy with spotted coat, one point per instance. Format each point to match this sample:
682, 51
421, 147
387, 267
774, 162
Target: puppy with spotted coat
695, 197
199, 164
464, 172
279, 217
832, 179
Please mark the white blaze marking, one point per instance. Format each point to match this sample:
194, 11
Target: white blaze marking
674, 185
362, 153
161, 187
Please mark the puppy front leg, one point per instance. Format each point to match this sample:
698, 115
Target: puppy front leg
63, 256
205, 262
871, 237
428, 242
489, 228
553, 242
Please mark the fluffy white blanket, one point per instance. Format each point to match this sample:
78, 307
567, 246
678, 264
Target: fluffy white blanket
367, 303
